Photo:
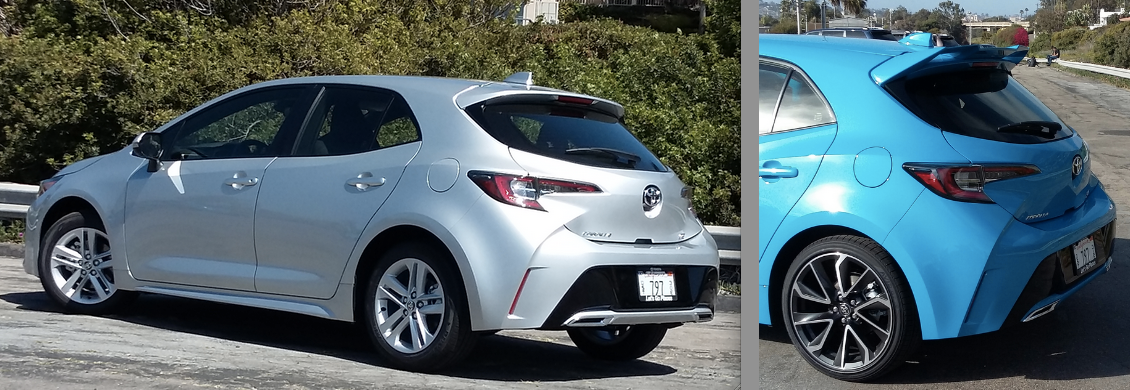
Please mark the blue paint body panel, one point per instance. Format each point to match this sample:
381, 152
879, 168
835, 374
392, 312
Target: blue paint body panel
966, 263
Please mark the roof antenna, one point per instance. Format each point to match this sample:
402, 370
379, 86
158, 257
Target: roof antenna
522, 78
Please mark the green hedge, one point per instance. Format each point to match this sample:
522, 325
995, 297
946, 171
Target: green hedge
1112, 48
82, 79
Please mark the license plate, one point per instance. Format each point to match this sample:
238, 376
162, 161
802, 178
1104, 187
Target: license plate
1084, 255
657, 286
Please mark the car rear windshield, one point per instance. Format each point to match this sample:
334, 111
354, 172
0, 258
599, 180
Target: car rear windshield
567, 133
985, 103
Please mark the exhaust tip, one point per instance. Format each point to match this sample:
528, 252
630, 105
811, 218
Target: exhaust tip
1040, 312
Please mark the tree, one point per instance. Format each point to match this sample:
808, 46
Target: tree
949, 17
854, 7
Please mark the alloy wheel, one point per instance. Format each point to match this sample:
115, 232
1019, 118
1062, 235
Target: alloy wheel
841, 312
82, 267
409, 305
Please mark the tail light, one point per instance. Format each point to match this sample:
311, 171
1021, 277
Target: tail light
524, 191
965, 183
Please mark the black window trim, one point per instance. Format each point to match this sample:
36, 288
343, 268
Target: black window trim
171, 132
317, 99
794, 69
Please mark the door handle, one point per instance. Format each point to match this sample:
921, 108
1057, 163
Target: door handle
364, 181
772, 171
240, 182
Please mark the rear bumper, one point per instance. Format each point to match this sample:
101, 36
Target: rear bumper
1054, 279
974, 268
576, 281
609, 295
597, 318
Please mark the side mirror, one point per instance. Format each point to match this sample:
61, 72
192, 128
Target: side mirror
148, 146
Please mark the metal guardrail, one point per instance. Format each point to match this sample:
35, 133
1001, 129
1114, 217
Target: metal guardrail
1109, 70
15, 199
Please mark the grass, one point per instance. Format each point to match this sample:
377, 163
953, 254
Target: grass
12, 231
730, 288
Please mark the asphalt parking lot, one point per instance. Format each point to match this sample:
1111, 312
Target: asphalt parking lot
174, 343
1081, 345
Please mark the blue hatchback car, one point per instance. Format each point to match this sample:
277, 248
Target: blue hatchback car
912, 192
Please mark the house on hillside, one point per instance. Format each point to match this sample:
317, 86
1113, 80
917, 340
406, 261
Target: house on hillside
533, 10
1103, 15
692, 4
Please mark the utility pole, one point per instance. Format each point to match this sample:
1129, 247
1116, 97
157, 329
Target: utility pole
798, 17
823, 17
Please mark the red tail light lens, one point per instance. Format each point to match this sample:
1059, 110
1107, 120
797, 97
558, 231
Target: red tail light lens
575, 100
524, 191
965, 183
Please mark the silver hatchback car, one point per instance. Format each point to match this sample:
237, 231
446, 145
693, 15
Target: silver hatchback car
430, 210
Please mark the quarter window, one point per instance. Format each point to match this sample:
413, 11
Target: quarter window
801, 106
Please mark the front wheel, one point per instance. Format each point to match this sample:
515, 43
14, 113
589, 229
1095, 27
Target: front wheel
618, 342
415, 310
848, 310
76, 266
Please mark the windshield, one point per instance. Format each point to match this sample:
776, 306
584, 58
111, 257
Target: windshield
566, 133
986, 104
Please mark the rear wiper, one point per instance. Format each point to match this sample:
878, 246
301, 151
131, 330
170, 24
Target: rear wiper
620, 157
1046, 129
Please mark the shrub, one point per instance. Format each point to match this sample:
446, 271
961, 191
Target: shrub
1112, 48
1067, 39
1040, 43
72, 86
1005, 37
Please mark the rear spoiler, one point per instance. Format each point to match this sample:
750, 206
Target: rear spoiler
925, 57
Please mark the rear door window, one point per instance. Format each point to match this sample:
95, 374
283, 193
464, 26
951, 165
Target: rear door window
566, 132
987, 104
856, 34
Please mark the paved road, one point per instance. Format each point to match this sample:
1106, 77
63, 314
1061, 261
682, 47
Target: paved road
1081, 345
166, 343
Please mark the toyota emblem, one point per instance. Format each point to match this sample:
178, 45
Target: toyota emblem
651, 197
1076, 166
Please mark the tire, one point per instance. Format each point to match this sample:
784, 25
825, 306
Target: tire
819, 314
440, 305
618, 342
76, 267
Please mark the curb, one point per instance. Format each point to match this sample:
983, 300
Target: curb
728, 303
11, 250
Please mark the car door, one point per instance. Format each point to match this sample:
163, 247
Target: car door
796, 128
192, 221
314, 205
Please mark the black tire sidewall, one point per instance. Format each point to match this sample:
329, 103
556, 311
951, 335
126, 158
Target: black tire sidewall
453, 341
905, 336
640, 341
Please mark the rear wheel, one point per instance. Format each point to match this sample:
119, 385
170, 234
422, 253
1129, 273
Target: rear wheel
618, 342
76, 266
847, 309
415, 310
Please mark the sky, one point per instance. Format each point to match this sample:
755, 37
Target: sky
991, 7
